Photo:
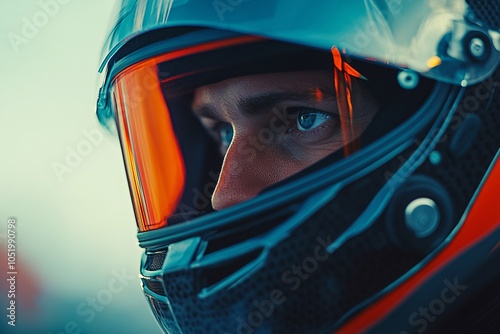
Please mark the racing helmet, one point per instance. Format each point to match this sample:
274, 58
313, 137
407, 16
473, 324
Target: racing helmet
311, 166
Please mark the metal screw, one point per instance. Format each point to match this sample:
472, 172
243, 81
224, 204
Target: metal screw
476, 47
408, 79
422, 217
435, 157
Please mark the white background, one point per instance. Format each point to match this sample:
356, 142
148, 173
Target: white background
75, 225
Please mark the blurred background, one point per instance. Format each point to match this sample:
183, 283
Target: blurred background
62, 178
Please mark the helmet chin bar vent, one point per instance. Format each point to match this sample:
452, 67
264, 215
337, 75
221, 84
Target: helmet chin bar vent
246, 230
155, 287
155, 260
220, 275
214, 276
213, 273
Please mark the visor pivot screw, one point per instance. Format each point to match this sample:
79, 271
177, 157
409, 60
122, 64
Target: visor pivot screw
408, 79
422, 217
476, 48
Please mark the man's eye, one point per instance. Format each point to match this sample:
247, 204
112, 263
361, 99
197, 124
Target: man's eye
309, 119
225, 132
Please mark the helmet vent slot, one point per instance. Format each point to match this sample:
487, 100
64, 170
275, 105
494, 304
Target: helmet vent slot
155, 286
247, 229
220, 274
155, 260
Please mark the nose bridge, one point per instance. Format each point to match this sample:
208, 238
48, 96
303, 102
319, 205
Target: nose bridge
246, 170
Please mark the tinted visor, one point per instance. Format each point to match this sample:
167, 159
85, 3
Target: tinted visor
220, 122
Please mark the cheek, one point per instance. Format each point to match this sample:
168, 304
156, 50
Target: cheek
273, 165
303, 153
284, 170
284, 164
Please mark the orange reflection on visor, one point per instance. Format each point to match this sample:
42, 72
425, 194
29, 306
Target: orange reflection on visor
152, 156
343, 72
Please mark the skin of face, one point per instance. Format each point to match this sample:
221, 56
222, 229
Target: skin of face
281, 123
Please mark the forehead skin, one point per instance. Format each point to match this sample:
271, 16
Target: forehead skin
223, 97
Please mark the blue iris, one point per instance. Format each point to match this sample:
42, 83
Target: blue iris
307, 120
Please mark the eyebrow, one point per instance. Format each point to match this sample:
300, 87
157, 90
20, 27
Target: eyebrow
260, 104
